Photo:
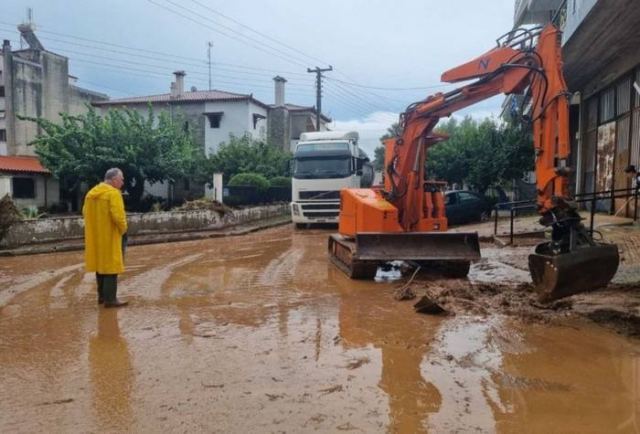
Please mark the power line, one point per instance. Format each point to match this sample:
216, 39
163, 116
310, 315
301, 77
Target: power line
197, 61
390, 88
269, 50
348, 103
257, 32
164, 67
343, 90
146, 72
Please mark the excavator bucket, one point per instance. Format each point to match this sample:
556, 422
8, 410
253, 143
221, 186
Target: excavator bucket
584, 269
450, 252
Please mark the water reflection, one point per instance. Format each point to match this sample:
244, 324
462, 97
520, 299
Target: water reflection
111, 373
368, 316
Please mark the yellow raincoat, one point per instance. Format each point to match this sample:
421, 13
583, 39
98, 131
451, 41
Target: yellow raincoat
104, 224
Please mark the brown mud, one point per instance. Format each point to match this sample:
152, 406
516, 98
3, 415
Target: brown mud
500, 284
260, 333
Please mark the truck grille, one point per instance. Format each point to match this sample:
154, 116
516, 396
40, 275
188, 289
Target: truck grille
319, 195
320, 206
321, 214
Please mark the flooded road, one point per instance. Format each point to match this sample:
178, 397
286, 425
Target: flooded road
259, 333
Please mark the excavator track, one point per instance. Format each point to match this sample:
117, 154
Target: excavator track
341, 253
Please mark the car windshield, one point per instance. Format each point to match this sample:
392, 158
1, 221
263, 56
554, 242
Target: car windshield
316, 168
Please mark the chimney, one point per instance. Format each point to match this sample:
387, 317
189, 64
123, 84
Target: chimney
177, 87
280, 81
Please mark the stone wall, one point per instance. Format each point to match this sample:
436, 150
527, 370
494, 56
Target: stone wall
67, 228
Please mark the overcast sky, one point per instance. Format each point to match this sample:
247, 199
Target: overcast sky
399, 47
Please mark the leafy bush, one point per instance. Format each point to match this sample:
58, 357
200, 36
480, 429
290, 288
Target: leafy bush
245, 155
250, 179
31, 212
280, 181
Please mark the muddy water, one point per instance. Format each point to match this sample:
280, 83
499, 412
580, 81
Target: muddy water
260, 334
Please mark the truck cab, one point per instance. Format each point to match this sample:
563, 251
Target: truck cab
323, 164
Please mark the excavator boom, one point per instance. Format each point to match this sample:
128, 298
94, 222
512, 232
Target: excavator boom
408, 207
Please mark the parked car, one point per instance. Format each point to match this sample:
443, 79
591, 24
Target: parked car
463, 206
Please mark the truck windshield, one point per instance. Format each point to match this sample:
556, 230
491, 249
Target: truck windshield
326, 167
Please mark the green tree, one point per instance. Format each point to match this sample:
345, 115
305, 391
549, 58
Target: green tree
393, 131
245, 155
81, 148
481, 154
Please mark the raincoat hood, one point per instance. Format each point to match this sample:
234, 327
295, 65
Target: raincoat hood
100, 190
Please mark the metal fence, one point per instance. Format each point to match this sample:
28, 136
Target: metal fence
590, 198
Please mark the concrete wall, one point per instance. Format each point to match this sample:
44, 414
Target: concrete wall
5, 185
66, 228
577, 11
26, 100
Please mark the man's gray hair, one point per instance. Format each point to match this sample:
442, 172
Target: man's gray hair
112, 173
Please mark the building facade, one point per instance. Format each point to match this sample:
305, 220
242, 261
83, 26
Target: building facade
34, 83
602, 69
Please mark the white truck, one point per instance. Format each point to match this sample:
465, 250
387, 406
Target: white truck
324, 163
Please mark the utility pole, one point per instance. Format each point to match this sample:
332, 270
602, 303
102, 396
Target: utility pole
209, 46
318, 72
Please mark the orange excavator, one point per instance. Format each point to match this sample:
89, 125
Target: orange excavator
405, 219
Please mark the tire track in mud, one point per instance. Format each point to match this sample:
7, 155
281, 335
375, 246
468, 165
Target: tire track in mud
280, 269
463, 375
275, 279
32, 281
148, 285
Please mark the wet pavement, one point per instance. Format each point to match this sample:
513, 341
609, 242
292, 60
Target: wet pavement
259, 333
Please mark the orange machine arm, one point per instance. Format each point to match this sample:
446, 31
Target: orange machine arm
508, 68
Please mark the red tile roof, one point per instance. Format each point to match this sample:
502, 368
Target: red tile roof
21, 164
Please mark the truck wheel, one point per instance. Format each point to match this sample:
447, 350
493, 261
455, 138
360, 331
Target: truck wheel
301, 225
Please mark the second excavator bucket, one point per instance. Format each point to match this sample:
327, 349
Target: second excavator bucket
584, 269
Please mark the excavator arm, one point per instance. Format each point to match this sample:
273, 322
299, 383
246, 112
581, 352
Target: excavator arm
400, 219
502, 70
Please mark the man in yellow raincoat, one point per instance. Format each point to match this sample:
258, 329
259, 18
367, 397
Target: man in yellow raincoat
105, 223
